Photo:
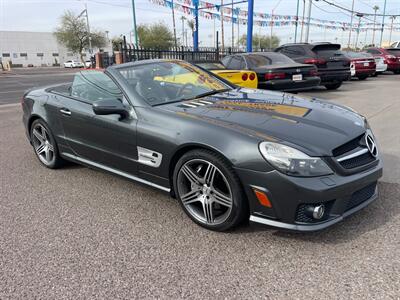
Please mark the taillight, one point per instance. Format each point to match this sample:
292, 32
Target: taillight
313, 72
390, 57
252, 76
244, 77
270, 76
315, 61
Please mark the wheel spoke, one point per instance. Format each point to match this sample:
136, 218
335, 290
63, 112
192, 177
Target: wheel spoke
190, 175
190, 197
41, 148
47, 153
222, 199
208, 211
210, 174
50, 147
38, 136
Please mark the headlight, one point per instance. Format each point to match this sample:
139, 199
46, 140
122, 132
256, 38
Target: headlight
293, 162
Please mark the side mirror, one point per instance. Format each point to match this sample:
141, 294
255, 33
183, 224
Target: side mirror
110, 107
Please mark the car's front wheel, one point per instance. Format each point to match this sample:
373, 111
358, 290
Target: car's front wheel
44, 145
209, 191
362, 77
333, 86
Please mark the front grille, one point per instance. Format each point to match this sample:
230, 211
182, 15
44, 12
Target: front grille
349, 146
361, 196
357, 161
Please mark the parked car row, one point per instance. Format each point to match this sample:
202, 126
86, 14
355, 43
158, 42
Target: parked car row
302, 66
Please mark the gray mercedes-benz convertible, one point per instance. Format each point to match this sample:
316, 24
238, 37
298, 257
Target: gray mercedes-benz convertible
228, 154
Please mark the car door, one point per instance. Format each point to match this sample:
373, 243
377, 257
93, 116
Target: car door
103, 139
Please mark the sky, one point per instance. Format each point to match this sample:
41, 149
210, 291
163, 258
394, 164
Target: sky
115, 16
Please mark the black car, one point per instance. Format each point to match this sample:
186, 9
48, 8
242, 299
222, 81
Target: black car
333, 66
228, 154
275, 71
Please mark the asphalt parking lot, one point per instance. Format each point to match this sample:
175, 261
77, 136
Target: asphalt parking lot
77, 233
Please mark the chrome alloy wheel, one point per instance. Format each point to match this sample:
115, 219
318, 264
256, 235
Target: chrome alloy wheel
42, 144
205, 192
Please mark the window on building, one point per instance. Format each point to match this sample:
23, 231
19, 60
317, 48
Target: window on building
55, 54
23, 54
6, 54
40, 54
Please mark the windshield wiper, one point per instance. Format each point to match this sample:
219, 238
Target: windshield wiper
195, 97
207, 94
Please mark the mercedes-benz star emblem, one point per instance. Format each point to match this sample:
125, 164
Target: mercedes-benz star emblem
371, 145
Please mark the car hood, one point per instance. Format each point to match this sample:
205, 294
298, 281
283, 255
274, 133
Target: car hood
315, 126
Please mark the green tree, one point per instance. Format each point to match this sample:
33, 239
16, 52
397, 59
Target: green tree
190, 24
261, 41
73, 34
116, 42
155, 36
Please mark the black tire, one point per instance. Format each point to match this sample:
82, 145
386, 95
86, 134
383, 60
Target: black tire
239, 211
396, 72
333, 86
56, 161
376, 74
362, 77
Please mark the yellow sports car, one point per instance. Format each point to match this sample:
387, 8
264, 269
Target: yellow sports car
243, 78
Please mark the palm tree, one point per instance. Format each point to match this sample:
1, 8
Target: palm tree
190, 24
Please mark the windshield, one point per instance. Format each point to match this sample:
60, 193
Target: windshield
171, 81
260, 60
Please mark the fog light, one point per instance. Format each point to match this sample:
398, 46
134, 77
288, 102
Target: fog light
318, 212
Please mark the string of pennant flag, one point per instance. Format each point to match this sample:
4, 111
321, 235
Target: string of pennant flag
237, 15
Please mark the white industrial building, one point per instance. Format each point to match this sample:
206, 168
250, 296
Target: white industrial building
37, 49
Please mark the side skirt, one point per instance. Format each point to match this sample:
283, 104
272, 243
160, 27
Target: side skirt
117, 172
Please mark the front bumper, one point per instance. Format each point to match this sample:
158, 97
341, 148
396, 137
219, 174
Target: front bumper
287, 194
289, 84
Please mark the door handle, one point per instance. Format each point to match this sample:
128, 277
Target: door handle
65, 111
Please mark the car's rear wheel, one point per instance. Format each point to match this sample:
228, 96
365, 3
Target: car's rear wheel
397, 72
333, 86
209, 191
44, 145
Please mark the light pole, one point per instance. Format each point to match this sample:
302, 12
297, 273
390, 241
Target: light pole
173, 22
302, 20
222, 26
358, 28
233, 30
297, 21
272, 23
351, 24
375, 8
308, 21
134, 23
383, 22
391, 29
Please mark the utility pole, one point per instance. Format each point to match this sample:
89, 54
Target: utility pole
134, 23
375, 8
238, 28
358, 28
272, 24
85, 11
173, 22
302, 20
88, 29
222, 26
391, 29
309, 20
297, 21
383, 23
351, 24
233, 30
